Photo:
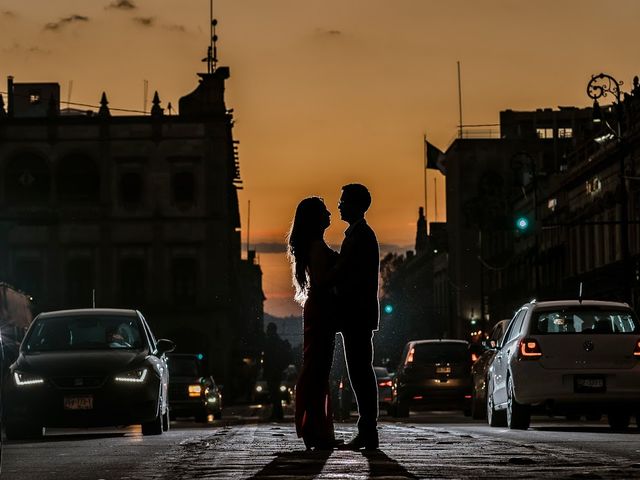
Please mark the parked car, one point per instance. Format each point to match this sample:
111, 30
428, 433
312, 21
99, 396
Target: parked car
434, 374
88, 367
479, 371
192, 393
571, 357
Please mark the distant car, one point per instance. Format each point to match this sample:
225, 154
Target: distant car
569, 357
347, 400
385, 384
192, 393
433, 374
88, 367
479, 371
261, 392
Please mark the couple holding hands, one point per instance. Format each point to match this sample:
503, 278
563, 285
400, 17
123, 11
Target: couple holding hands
339, 293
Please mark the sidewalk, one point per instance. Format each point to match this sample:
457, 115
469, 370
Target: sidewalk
407, 451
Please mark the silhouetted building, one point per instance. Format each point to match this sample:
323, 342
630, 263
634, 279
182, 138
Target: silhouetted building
136, 211
489, 177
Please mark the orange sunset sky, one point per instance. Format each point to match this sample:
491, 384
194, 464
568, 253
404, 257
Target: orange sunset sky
328, 92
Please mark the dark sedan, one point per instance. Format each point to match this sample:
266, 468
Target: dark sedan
432, 374
88, 368
192, 393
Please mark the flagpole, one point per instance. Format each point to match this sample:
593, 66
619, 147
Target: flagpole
435, 198
424, 166
459, 102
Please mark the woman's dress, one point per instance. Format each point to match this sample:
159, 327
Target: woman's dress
313, 413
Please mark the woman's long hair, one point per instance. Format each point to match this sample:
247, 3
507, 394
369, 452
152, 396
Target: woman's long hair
306, 227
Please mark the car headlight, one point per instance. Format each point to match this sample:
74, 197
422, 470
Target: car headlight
23, 379
258, 388
195, 390
212, 400
134, 376
283, 388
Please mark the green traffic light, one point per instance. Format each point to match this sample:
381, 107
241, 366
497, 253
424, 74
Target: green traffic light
522, 223
388, 309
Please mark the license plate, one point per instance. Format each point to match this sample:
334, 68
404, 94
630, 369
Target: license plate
589, 384
443, 369
78, 403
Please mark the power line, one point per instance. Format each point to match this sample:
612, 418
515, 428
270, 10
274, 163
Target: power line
87, 105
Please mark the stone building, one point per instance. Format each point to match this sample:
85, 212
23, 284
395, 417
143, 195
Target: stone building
135, 211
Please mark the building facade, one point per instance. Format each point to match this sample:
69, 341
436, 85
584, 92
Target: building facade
133, 211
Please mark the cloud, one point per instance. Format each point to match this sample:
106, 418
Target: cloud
55, 26
122, 5
145, 21
325, 32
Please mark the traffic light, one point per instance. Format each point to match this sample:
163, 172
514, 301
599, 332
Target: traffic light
522, 223
388, 309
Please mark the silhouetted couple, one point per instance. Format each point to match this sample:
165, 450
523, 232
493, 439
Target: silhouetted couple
339, 292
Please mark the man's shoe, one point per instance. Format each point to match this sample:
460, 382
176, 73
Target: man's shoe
360, 441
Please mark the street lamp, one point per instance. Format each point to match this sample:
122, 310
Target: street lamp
598, 87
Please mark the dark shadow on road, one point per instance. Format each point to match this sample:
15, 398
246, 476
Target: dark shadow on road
381, 465
298, 464
67, 437
587, 429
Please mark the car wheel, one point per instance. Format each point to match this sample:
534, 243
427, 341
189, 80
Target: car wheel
23, 431
155, 426
495, 418
166, 420
619, 420
518, 415
402, 408
478, 407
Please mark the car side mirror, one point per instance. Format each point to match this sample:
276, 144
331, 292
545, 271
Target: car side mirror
165, 346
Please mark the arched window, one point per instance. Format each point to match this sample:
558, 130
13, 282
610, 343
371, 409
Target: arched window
27, 180
78, 179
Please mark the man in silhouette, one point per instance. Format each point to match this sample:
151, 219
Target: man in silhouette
277, 355
356, 280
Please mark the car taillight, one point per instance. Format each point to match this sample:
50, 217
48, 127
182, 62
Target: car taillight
636, 350
195, 390
474, 358
410, 356
529, 349
386, 383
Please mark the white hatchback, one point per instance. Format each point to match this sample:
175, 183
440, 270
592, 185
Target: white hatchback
569, 357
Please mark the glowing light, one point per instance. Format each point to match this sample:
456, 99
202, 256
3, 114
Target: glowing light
388, 309
195, 390
135, 376
23, 379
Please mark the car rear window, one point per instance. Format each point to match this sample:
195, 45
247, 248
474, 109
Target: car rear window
184, 367
588, 321
84, 332
430, 353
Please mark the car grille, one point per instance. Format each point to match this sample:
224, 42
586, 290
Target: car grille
78, 382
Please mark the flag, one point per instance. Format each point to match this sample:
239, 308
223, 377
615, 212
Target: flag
434, 157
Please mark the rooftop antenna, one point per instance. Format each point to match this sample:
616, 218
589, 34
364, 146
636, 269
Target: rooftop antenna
248, 224
145, 95
93, 298
212, 50
70, 89
580, 293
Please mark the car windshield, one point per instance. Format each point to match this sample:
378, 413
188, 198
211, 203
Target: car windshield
591, 321
430, 353
184, 367
84, 332
381, 372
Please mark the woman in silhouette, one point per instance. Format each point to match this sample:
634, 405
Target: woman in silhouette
311, 260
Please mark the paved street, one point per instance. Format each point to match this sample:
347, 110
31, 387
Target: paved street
426, 446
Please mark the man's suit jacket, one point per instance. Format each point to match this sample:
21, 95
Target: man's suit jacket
357, 283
